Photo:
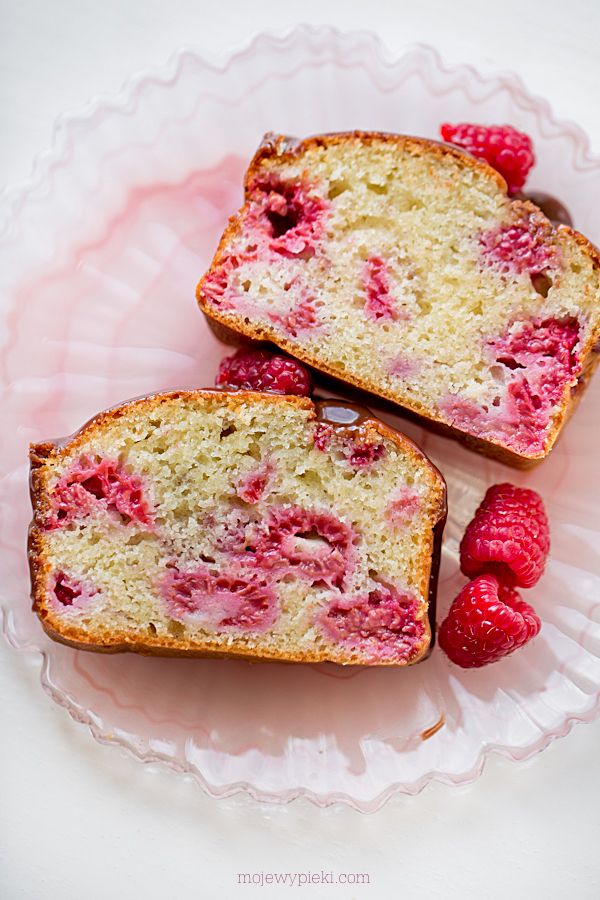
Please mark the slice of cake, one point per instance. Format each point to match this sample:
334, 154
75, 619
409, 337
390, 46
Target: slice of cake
400, 266
238, 524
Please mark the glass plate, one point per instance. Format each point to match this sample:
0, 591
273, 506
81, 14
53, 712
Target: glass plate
100, 255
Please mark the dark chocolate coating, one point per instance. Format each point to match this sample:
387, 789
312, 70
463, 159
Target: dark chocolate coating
342, 414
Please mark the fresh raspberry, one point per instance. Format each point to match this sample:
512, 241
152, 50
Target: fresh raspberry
509, 151
508, 536
487, 621
258, 370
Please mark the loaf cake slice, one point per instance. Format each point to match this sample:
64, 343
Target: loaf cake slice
239, 524
401, 266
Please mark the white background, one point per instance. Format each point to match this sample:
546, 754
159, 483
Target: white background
80, 820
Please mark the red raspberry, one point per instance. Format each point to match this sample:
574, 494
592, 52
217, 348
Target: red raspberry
508, 536
524, 246
66, 590
382, 623
487, 621
316, 544
258, 370
291, 212
323, 436
362, 455
301, 317
509, 151
254, 485
379, 302
69, 590
91, 483
233, 599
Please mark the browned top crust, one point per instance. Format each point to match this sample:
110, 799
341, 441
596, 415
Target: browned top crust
40, 452
149, 402
284, 147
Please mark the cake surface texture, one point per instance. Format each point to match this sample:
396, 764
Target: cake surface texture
401, 267
237, 524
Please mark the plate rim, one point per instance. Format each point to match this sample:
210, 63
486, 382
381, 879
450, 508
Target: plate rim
14, 198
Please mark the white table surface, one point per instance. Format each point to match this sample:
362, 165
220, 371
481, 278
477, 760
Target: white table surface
79, 820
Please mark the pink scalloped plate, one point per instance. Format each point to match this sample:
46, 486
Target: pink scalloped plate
99, 258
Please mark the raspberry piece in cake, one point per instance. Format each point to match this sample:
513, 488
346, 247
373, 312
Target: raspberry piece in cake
92, 485
228, 529
65, 591
352, 445
486, 622
69, 501
403, 505
323, 436
418, 259
508, 536
254, 531
534, 363
315, 543
360, 455
256, 484
222, 286
213, 600
539, 363
379, 303
69, 590
259, 370
401, 367
522, 246
507, 150
302, 317
383, 623
290, 212
538, 343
